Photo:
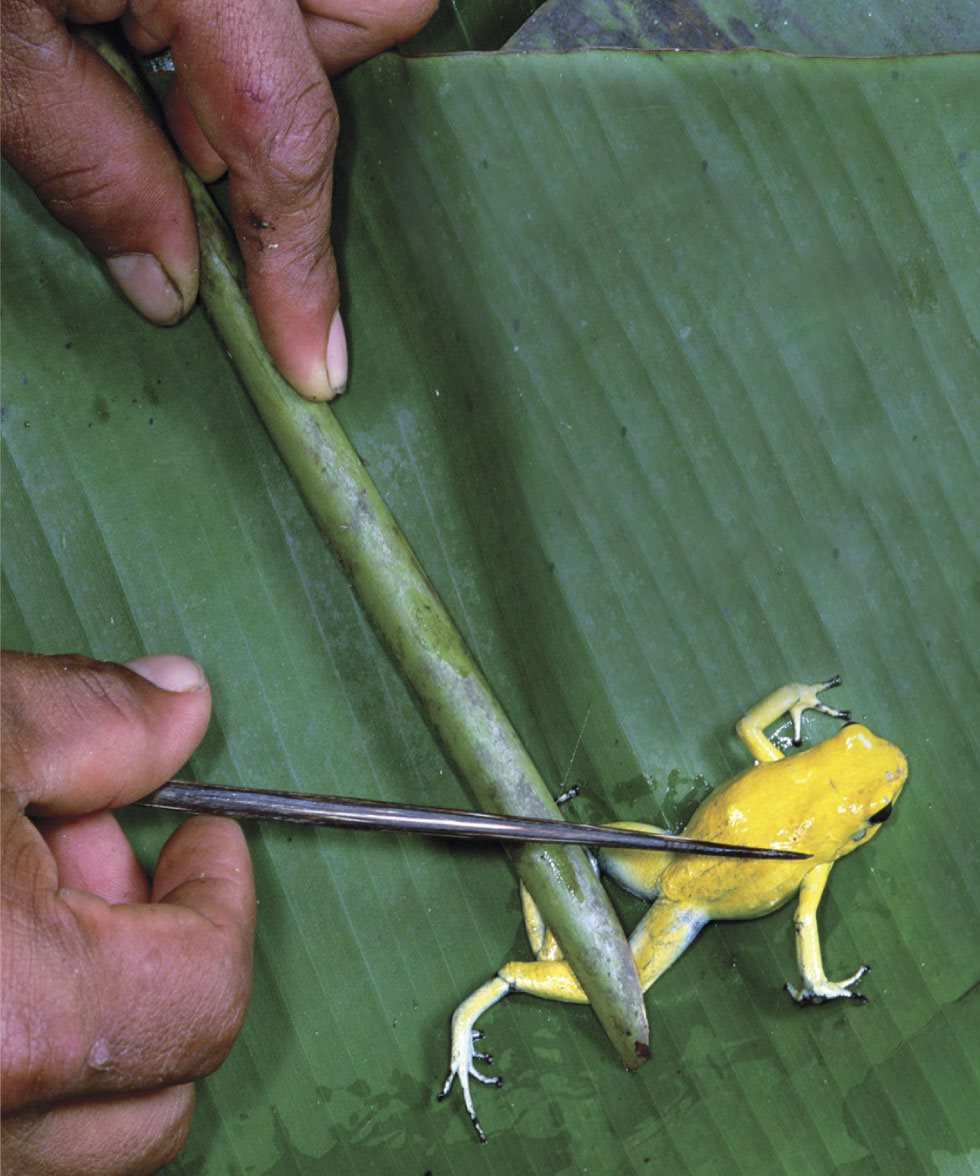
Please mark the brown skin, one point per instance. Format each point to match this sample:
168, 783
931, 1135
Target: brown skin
116, 994
251, 96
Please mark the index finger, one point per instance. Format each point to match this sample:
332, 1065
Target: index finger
253, 81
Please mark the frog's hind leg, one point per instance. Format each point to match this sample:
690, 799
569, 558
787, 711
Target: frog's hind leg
551, 979
539, 935
463, 1052
662, 936
637, 871
464, 1033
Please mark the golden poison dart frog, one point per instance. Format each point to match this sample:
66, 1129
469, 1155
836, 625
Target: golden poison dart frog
825, 802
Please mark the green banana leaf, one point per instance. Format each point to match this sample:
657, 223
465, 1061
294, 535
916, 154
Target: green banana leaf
668, 368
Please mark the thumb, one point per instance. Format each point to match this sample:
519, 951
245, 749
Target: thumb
81, 735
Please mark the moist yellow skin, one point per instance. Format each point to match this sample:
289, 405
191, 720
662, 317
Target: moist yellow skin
825, 802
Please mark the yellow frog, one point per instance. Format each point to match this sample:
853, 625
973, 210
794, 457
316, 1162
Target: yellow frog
824, 802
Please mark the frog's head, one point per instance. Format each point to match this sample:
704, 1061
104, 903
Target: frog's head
870, 775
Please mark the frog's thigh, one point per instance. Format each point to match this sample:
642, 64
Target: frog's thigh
638, 871
543, 943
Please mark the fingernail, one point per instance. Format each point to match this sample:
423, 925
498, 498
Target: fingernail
337, 355
146, 284
169, 671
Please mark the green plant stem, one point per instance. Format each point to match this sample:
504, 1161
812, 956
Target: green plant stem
421, 636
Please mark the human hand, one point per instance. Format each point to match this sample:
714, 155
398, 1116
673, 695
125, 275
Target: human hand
250, 96
115, 995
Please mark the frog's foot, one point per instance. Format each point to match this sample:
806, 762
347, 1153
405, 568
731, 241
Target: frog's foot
823, 990
809, 700
466, 1070
792, 699
463, 1054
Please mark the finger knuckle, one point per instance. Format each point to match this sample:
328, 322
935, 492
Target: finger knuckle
300, 151
286, 132
286, 223
77, 195
32, 38
35, 130
100, 691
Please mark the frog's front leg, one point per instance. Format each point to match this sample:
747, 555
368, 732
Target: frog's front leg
816, 987
792, 699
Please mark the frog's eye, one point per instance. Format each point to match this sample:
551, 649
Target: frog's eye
881, 815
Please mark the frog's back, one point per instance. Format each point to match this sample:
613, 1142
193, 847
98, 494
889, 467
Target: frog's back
816, 802
754, 808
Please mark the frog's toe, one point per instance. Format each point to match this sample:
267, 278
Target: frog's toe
487, 1059
462, 1066
827, 990
856, 978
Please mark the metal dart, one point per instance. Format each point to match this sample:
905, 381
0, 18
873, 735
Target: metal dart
350, 813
